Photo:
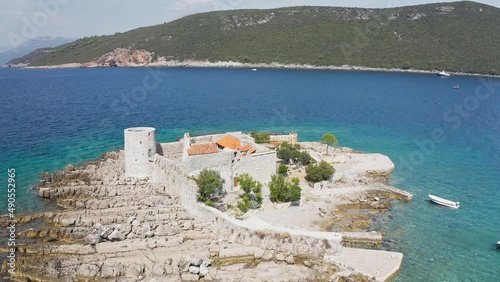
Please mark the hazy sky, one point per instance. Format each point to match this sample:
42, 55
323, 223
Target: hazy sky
22, 19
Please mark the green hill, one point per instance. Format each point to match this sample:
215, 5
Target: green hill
459, 36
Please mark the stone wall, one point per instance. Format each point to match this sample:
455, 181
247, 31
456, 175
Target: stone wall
276, 239
221, 162
291, 138
170, 150
207, 138
260, 166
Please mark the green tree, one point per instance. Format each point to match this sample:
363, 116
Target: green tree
252, 189
209, 184
330, 140
283, 190
282, 169
304, 158
288, 152
260, 138
320, 172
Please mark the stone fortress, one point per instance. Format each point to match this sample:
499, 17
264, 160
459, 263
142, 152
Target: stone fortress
231, 154
133, 215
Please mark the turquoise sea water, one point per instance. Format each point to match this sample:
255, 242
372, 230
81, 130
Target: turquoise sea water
443, 141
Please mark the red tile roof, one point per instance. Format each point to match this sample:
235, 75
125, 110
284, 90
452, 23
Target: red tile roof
234, 143
248, 148
230, 142
203, 149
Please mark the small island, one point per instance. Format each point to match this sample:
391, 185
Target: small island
220, 207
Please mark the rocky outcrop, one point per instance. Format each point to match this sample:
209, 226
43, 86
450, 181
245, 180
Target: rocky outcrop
122, 57
113, 227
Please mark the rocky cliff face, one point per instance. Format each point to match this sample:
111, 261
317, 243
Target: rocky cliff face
122, 57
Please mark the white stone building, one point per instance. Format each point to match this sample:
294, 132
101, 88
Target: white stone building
231, 154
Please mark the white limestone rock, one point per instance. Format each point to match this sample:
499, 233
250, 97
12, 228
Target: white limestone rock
158, 270
116, 236
189, 277
87, 270
258, 253
280, 257
111, 270
93, 239
194, 269
308, 263
134, 270
267, 256
203, 270
106, 232
206, 262
196, 261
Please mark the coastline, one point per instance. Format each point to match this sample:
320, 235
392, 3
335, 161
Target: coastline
168, 224
239, 65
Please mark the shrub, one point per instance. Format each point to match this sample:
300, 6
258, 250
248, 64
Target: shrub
209, 203
304, 158
283, 190
288, 152
295, 190
260, 137
209, 184
320, 172
282, 169
252, 197
244, 204
248, 184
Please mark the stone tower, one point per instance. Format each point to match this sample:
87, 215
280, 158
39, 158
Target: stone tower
140, 148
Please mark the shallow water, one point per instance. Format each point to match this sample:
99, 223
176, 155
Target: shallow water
49, 118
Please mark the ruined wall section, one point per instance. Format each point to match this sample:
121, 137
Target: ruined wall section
169, 178
260, 166
221, 162
291, 138
170, 150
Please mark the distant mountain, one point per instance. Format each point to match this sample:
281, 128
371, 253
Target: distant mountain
28, 46
459, 36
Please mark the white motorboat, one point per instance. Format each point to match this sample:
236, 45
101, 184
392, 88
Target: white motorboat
443, 74
254, 69
444, 202
498, 245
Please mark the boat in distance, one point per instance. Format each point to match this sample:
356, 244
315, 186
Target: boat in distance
443, 74
444, 202
498, 245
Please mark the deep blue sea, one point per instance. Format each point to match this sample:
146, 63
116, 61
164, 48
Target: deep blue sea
443, 141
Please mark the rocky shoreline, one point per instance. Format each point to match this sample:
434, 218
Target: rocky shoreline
116, 228
140, 58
